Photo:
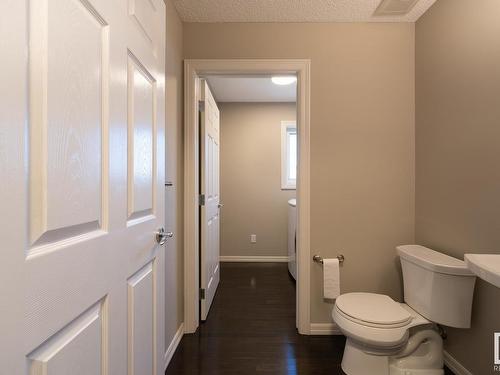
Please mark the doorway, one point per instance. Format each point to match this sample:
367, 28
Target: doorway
194, 71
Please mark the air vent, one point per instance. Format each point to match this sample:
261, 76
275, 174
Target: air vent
395, 7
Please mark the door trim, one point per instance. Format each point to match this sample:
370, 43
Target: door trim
192, 70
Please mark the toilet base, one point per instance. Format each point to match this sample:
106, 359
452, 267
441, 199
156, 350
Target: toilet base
422, 355
356, 362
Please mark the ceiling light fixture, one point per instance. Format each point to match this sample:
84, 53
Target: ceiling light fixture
284, 80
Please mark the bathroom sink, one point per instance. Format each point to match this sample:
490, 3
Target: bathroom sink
485, 266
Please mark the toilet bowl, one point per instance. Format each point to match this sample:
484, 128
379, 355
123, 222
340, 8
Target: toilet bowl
378, 332
385, 337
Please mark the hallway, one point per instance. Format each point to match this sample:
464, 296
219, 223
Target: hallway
251, 329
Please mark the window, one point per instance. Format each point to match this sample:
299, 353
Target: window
288, 155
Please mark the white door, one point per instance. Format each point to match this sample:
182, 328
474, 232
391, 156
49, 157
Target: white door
210, 205
81, 192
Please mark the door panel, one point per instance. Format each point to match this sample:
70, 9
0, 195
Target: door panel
210, 226
141, 129
143, 12
82, 153
67, 45
141, 322
61, 354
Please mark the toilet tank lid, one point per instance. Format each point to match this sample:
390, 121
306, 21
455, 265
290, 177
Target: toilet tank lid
433, 260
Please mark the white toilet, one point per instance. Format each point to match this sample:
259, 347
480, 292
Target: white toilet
385, 337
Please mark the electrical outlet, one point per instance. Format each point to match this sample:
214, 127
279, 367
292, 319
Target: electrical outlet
253, 238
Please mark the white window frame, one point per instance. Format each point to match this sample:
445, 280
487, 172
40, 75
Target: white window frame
286, 183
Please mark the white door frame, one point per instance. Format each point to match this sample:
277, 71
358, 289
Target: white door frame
192, 70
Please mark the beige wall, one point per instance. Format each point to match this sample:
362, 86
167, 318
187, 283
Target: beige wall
174, 173
458, 152
251, 179
362, 137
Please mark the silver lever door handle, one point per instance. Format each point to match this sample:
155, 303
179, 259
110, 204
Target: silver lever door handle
161, 236
220, 205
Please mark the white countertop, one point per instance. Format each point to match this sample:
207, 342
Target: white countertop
485, 266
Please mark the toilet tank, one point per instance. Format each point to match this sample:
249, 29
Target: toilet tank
437, 286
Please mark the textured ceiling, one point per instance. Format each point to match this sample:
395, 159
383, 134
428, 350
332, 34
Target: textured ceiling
291, 11
250, 89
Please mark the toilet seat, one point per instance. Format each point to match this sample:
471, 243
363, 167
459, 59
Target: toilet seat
375, 320
373, 310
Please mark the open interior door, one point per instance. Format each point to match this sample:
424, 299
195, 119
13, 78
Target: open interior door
210, 199
82, 174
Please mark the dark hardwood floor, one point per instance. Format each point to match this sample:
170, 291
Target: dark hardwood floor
251, 330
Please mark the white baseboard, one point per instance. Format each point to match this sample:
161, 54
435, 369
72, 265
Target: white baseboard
324, 329
173, 345
269, 259
454, 365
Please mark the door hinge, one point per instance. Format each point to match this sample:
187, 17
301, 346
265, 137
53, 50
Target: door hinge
202, 199
202, 293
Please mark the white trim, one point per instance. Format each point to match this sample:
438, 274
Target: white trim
191, 214
251, 258
496, 359
286, 184
455, 366
173, 346
193, 68
324, 329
